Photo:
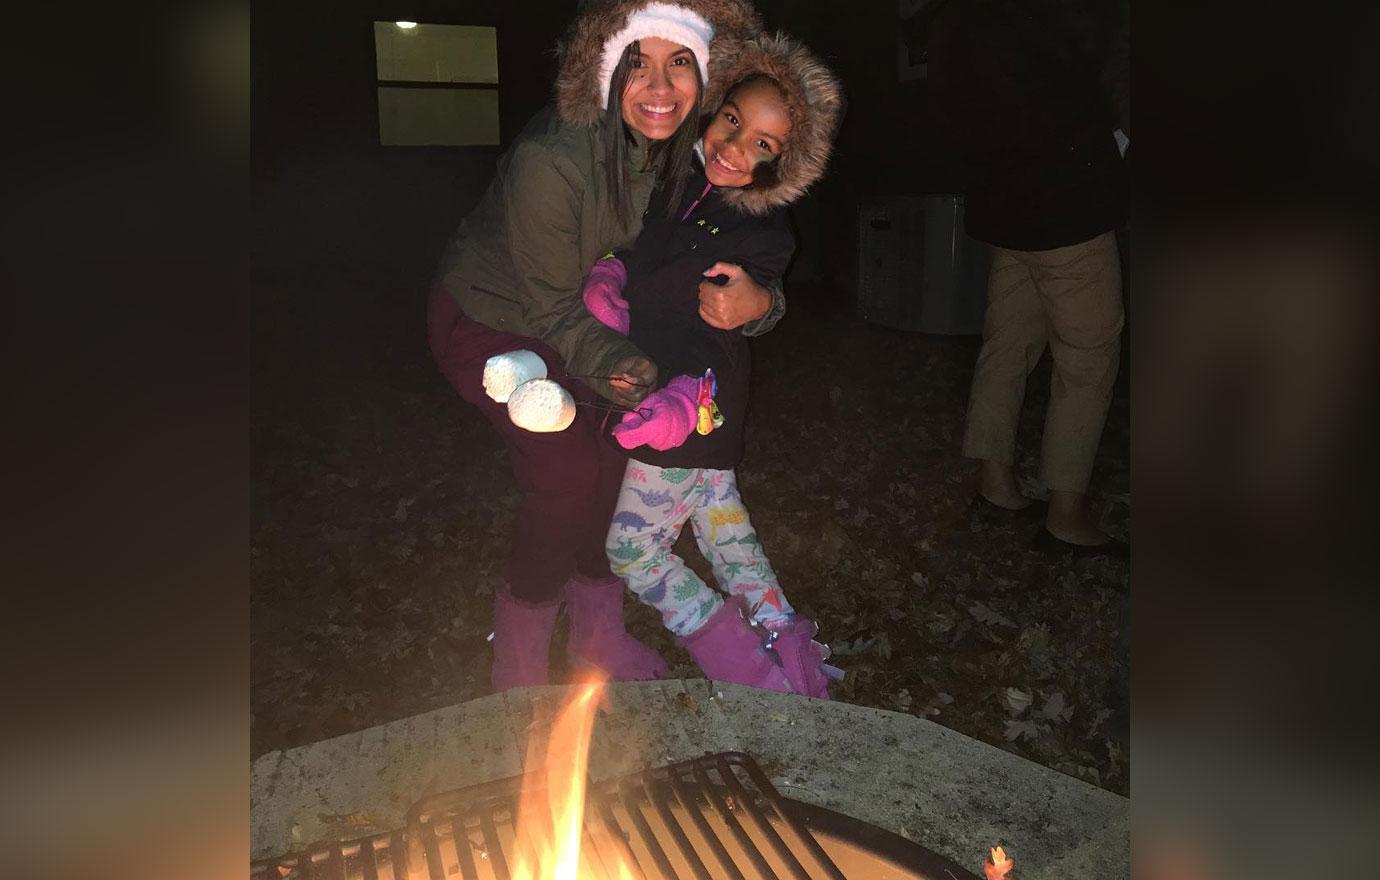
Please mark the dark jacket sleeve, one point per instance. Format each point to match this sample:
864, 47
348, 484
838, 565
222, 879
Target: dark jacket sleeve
543, 192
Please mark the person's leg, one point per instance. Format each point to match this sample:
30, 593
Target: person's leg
653, 505
555, 474
1013, 338
725, 536
1081, 288
594, 595
591, 558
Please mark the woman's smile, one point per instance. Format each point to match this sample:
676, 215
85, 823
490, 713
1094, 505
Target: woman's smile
662, 88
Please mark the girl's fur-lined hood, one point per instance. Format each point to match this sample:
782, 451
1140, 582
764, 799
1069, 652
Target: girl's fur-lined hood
814, 100
582, 48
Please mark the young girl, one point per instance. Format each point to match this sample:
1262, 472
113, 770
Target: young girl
574, 184
767, 142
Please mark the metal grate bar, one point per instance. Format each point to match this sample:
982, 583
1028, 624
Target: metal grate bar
398, 857
601, 860
687, 799
335, 863
745, 799
645, 833
368, 860
493, 846
726, 813
806, 840
468, 869
713, 818
687, 849
616, 834
435, 868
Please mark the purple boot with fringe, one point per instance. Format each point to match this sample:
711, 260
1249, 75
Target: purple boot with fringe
728, 649
598, 637
802, 658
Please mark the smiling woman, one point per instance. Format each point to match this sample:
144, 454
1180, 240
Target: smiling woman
573, 186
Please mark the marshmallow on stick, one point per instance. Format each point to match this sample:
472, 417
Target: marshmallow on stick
503, 373
541, 406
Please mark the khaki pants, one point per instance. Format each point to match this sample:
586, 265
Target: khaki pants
1068, 298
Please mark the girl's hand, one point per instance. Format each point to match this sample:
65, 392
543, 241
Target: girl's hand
731, 304
664, 420
633, 379
603, 294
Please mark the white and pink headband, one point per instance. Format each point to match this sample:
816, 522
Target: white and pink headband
664, 20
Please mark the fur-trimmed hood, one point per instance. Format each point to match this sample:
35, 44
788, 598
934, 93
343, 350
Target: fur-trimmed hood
581, 50
814, 100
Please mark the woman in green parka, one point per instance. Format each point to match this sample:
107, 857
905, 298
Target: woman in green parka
574, 186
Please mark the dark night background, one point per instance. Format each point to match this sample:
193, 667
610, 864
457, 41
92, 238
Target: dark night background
380, 504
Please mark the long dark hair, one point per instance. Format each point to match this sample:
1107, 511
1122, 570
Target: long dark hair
670, 158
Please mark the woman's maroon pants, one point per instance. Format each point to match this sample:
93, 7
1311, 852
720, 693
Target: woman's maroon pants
569, 479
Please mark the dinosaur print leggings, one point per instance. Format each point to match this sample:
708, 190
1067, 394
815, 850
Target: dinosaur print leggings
653, 506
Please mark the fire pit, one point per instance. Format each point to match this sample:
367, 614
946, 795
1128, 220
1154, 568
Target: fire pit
715, 817
905, 778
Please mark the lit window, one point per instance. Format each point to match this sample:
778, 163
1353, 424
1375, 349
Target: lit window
438, 84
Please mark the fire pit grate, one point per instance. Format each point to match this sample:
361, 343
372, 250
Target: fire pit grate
713, 818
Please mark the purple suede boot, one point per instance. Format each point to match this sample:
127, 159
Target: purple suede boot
727, 649
802, 658
597, 635
522, 642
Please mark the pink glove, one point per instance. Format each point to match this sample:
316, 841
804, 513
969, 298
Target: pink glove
664, 419
603, 294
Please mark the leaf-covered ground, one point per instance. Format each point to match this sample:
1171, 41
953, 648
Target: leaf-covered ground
382, 505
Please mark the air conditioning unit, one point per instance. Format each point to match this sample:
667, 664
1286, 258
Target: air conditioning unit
916, 268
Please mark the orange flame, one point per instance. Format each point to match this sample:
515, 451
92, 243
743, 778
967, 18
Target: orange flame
999, 865
550, 821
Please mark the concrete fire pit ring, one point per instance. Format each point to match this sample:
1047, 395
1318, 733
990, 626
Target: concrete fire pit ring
950, 793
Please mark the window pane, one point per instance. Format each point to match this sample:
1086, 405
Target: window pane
436, 53
447, 117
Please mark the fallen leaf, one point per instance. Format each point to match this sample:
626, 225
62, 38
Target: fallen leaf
1017, 700
1054, 708
1023, 729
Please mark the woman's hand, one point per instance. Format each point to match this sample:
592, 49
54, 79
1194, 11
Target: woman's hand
633, 378
736, 302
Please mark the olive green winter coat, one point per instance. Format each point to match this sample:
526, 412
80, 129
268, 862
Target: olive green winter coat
519, 260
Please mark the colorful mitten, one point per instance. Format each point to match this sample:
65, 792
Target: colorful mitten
664, 419
603, 294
